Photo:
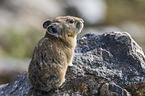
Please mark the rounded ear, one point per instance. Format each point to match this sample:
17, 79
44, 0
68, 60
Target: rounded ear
46, 23
53, 30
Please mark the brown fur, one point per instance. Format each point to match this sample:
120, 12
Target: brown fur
53, 53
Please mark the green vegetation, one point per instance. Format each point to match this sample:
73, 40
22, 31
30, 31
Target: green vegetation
19, 44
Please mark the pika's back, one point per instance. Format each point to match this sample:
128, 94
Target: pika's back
54, 52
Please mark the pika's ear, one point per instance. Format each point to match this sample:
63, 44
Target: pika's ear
46, 23
53, 30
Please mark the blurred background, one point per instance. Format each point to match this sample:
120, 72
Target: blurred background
21, 25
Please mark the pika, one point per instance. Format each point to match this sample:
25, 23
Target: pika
54, 52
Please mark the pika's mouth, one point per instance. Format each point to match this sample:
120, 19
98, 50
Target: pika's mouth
79, 26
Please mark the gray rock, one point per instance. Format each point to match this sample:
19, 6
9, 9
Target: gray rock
104, 65
119, 57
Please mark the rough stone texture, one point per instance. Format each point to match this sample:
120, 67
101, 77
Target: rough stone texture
111, 64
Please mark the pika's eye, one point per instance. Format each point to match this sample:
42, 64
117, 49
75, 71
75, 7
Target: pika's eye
71, 21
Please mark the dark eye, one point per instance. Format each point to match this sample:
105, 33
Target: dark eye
71, 21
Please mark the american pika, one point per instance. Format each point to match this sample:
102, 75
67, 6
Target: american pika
54, 52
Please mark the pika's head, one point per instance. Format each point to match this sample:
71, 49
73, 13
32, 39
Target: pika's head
64, 26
